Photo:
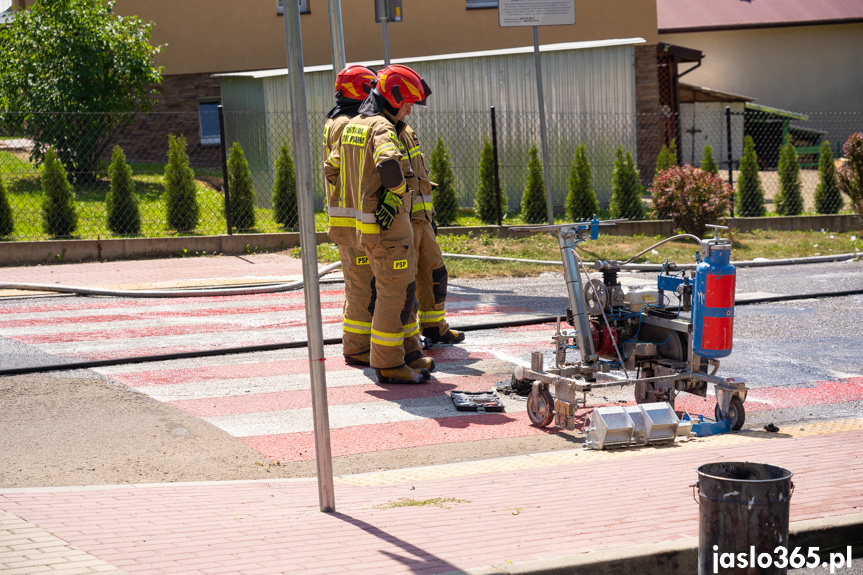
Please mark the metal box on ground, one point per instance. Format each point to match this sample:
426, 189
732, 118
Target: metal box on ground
660, 422
639, 432
609, 427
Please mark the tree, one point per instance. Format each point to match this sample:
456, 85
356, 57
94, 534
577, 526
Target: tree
285, 190
581, 203
72, 73
444, 196
626, 188
7, 223
691, 197
708, 164
60, 218
241, 191
750, 195
667, 157
533, 204
124, 217
487, 197
181, 201
828, 198
789, 200
851, 173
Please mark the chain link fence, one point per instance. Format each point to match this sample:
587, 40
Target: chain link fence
621, 151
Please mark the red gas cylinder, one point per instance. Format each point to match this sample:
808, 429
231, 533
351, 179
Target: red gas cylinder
713, 301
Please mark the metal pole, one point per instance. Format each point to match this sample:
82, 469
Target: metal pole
224, 146
496, 175
337, 37
542, 130
308, 247
385, 32
730, 158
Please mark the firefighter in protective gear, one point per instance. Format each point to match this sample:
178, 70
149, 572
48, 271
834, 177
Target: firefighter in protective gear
352, 86
431, 272
367, 165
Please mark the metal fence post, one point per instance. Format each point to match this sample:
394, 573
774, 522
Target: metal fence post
223, 144
730, 157
496, 174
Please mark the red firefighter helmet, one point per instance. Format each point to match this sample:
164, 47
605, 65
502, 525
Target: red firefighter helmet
399, 84
354, 82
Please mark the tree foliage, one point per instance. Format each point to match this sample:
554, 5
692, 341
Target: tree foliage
708, 164
533, 204
124, 217
181, 201
789, 200
487, 197
7, 223
828, 198
750, 194
285, 190
626, 188
241, 191
60, 217
581, 203
72, 72
851, 173
691, 197
667, 157
444, 195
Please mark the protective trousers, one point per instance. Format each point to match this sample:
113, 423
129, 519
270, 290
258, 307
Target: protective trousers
359, 300
394, 338
431, 278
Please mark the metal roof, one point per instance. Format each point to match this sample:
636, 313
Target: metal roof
675, 16
440, 57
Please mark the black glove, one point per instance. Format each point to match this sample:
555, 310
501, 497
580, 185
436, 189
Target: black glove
386, 212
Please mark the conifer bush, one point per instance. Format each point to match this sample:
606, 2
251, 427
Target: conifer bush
7, 223
850, 175
487, 197
124, 217
667, 157
241, 191
444, 195
626, 188
691, 197
750, 194
708, 164
285, 207
581, 203
828, 198
60, 217
533, 204
181, 200
789, 200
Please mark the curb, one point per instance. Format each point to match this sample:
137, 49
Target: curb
679, 557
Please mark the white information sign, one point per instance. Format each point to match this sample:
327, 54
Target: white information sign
535, 12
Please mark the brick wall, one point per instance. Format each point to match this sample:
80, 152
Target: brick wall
648, 129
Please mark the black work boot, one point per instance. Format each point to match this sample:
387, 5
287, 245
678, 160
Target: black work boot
425, 365
401, 374
449, 336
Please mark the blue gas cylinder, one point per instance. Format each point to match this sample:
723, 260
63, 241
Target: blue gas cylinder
713, 300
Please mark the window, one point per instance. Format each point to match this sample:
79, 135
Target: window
471, 4
208, 118
304, 7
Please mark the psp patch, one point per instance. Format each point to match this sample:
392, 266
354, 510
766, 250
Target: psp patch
400, 265
362, 260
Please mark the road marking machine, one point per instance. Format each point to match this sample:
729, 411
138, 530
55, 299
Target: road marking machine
660, 349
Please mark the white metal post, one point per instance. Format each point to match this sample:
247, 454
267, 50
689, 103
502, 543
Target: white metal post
337, 37
542, 129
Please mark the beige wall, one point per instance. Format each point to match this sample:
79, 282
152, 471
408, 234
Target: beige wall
802, 69
230, 35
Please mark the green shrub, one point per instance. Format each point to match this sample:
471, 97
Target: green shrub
581, 203
533, 204
789, 200
750, 195
691, 197
285, 190
626, 188
444, 196
7, 224
241, 191
181, 201
667, 157
60, 218
124, 217
708, 164
487, 197
851, 173
828, 198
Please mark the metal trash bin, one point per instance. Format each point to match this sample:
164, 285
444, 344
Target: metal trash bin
743, 511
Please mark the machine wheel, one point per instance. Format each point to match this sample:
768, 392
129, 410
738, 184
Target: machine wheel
540, 407
736, 413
